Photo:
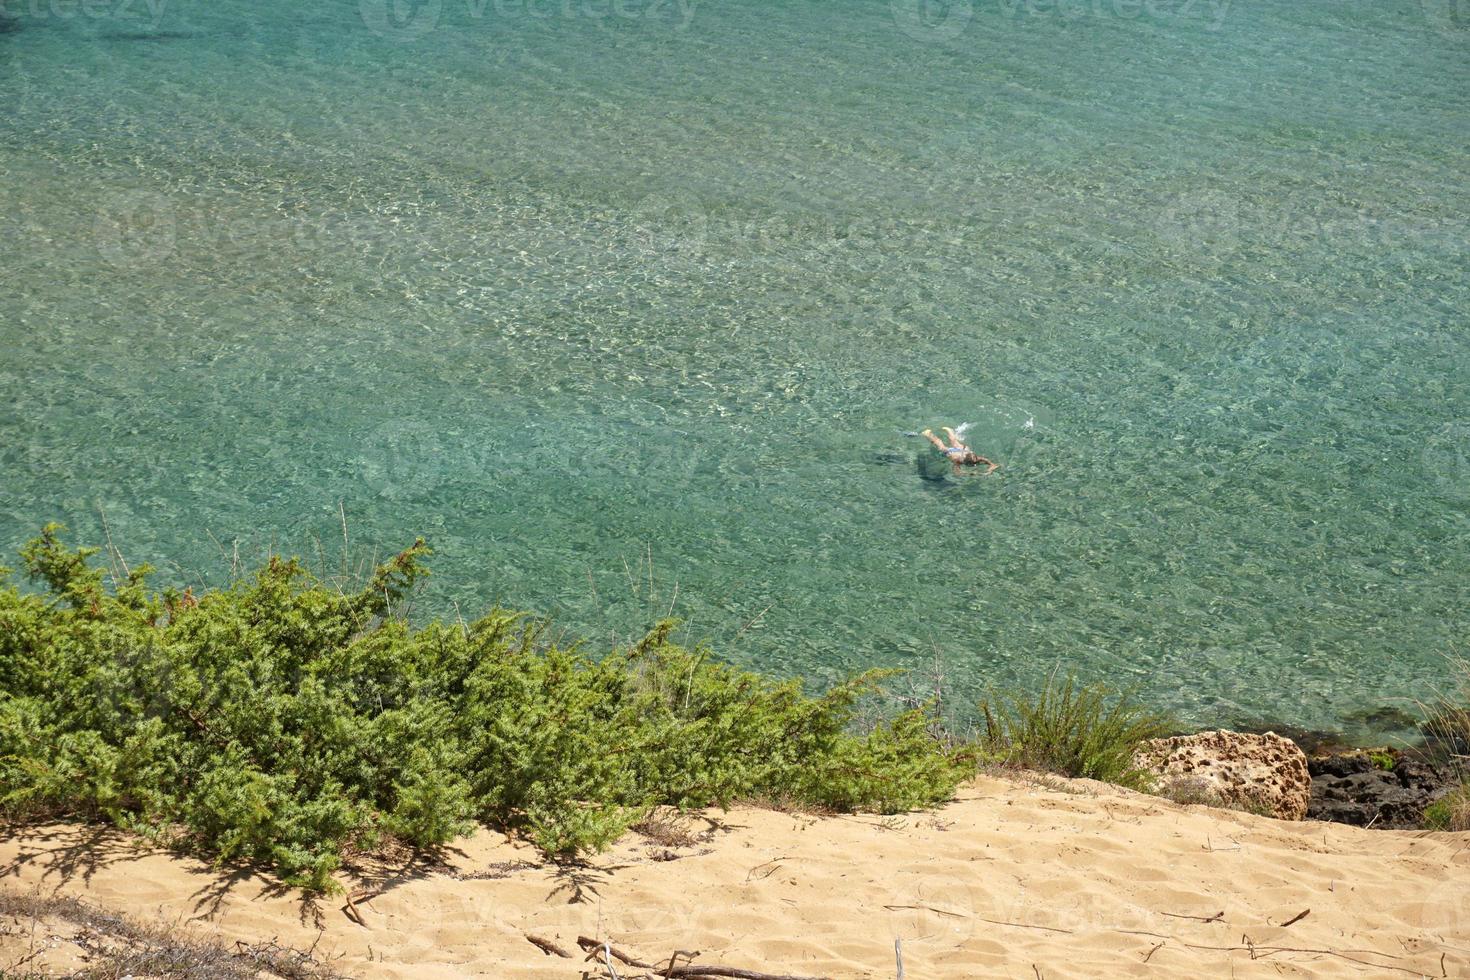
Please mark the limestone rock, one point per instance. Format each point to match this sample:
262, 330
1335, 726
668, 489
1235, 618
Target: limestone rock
1261, 773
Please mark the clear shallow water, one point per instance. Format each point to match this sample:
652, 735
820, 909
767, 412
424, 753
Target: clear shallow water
581, 295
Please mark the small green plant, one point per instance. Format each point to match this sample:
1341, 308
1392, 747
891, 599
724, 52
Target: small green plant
282, 722
1382, 760
1072, 730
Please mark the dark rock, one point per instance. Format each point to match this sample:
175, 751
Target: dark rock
1339, 766
1352, 788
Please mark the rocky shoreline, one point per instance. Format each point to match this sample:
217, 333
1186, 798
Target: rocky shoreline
1381, 787
1304, 775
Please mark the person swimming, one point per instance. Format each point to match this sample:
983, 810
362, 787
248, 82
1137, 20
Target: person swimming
958, 453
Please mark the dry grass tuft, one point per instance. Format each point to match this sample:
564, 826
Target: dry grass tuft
667, 827
115, 947
1449, 724
1194, 791
1451, 812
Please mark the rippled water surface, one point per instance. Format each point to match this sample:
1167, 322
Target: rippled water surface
625, 306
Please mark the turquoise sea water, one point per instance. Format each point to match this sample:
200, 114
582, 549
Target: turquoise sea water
624, 305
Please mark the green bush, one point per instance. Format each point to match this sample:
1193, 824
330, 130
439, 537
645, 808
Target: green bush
282, 722
1072, 731
1451, 811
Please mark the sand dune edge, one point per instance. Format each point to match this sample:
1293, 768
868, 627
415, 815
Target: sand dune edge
1016, 877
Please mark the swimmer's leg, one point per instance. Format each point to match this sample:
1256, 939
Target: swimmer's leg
954, 440
929, 434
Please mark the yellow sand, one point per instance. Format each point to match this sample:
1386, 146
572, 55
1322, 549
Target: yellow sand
1015, 879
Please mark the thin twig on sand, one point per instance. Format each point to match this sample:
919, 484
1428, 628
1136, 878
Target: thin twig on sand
594, 947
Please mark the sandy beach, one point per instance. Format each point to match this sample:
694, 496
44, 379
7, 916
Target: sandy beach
1016, 877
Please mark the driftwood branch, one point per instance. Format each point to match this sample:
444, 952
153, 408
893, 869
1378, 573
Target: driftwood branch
597, 949
351, 911
548, 947
1295, 918
593, 946
674, 959
1261, 952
